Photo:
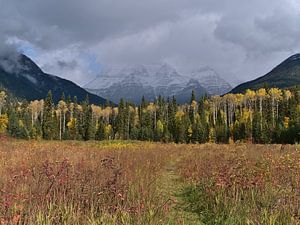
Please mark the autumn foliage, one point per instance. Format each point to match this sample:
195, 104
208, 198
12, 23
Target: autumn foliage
263, 116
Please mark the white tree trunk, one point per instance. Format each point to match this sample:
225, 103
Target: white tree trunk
64, 123
60, 126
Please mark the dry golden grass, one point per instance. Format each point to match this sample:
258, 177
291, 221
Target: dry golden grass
243, 184
76, 182
128, 183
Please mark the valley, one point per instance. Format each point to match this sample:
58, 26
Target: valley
149, 112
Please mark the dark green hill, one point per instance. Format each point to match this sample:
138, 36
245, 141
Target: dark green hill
24, 79
285, 75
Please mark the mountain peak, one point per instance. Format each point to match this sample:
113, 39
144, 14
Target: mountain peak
295, 57
18, 64
291, 61
204, 69
134, 70
156, 79
167, 70
23, 78
211, 80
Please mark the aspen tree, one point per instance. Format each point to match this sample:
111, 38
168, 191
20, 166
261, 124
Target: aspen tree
62, 107
2, 100
275, 95
261, 94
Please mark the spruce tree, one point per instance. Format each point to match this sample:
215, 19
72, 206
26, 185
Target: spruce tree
100, 134
193, 97
192, 108
87, 127
48, 125
171, 118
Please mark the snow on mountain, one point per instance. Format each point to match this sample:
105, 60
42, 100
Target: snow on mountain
133, 82
210, 79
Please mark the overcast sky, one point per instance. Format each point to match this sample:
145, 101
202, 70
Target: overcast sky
74, 38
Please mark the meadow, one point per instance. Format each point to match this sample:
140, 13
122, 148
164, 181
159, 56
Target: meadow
72, 182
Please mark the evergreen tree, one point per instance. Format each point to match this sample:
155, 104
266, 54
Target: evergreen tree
100, 134
48, 125
16, 126
87, 127
171, 118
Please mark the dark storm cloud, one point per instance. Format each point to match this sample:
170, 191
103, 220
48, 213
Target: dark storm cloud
238, 38
89, 20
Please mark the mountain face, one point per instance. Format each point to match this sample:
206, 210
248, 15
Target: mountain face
23, 78
285, 75
151, 81
213, 83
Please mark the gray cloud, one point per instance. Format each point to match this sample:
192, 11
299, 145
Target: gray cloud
64, 64
237, 38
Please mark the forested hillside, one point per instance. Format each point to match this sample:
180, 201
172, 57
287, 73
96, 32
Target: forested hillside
285, 75
24, 79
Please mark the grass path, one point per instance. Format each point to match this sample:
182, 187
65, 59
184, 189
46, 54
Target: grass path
172, 186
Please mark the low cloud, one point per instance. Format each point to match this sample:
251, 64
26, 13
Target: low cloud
69, 65
238, 39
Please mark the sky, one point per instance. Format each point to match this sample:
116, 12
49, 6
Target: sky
74, 39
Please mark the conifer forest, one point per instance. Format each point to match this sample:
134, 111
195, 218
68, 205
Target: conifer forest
261, 117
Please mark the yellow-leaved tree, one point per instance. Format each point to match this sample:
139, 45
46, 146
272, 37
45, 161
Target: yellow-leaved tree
3, 123
159, 128
276, 96
107, 131
261, 94
2, 100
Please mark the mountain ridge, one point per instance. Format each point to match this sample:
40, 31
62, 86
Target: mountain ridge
284, 75
150, 81
25, 79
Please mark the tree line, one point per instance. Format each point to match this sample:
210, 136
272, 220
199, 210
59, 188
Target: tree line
262, 116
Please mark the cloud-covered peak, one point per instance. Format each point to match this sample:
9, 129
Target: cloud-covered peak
75, 38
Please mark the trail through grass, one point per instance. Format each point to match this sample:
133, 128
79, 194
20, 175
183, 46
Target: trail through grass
148, 183
172, 185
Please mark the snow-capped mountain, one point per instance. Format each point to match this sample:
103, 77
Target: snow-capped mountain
133, 82
210, 79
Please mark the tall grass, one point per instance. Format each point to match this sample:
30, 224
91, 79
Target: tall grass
75, 183
128, 182
244, 184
